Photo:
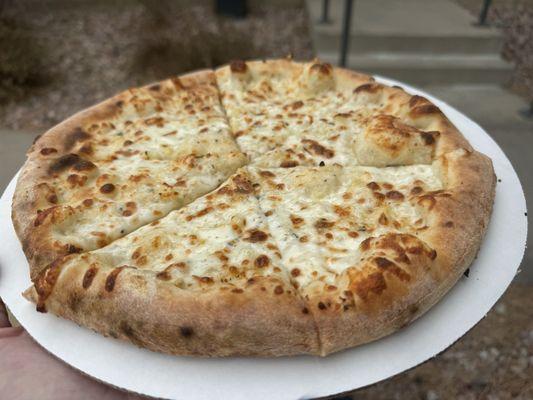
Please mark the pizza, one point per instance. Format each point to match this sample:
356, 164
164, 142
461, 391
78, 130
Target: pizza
265, 208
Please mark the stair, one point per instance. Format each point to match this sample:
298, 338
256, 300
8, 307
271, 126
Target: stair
416, 41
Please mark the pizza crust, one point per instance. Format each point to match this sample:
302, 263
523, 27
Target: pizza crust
399, 277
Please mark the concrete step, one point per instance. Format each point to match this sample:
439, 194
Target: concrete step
325, 38
410, 25
424, 69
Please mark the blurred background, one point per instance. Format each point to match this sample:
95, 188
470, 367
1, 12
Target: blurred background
59, 56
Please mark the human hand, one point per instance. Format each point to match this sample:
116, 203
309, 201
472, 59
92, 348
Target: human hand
28, 372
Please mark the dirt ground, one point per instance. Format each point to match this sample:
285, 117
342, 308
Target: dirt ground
84, 53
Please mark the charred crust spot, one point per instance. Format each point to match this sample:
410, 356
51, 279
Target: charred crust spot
237, 290
278, 289
373, 186
429, 137
305, 310
238, 66
88, 277
48, 150
424, 109
155, 87
289, 164
323, 68
448, 224
46, 281
373, 283
119, 103
256, 235
67, 161
112, 278
432, 254
107, 188
367, 87
77, 135
321, 305
315, 147
37, 138
394, 195
383, 263
417, 100
262, 261
186, 331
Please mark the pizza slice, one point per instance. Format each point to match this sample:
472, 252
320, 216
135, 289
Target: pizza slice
122, 164
370, 249
204, 280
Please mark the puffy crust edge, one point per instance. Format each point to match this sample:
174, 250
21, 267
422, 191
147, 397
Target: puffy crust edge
157, 315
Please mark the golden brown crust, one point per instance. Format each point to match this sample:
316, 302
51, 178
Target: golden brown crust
266, 319
400, 276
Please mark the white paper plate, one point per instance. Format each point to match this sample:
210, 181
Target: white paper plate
138, 370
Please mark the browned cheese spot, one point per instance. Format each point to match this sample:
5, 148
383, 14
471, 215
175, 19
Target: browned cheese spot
278, 289
256, 235
297, 104
316, 148
243, 185
296, 221
373, 186
394, 195
289, 164
295, 272
416, 190
52, 198
267, 174
107, 188
323, 223
262, 261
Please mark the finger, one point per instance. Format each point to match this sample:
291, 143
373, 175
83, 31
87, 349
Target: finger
4, 321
